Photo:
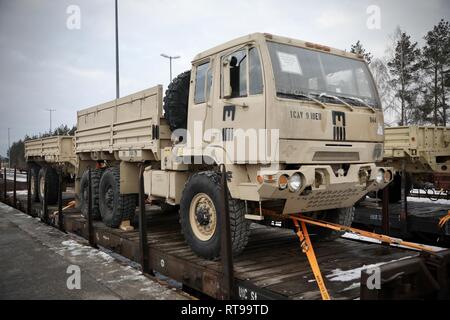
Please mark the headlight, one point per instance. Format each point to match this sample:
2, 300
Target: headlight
380, 176
295, 182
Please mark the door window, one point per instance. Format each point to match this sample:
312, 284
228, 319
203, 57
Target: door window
245, 72
200, 83
255, 72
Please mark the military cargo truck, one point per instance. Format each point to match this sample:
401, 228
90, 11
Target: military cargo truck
423, 152
45, 156
298, 126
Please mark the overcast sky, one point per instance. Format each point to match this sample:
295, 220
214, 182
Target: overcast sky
44, 64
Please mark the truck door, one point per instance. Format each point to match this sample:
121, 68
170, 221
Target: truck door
199, 114
244, 107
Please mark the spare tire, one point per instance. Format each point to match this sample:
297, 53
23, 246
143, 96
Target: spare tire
176, 101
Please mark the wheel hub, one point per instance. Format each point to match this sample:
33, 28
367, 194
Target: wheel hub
203, 217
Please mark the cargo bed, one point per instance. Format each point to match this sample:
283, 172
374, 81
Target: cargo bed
55, 149
131, 128
425, 149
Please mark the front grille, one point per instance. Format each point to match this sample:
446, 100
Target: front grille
335, 156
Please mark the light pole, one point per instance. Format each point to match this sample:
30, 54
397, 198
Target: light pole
50, 110
170, 61
9, 151
117, 51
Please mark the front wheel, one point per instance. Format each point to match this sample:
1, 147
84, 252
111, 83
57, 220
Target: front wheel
341, 216
200, 216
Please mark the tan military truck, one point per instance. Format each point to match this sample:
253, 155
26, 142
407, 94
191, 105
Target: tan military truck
299, 127
45, 156
423, 152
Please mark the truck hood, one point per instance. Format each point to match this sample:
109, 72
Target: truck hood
298, 120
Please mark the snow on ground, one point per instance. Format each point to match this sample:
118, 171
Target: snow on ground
354, 274
425, 198
20, 177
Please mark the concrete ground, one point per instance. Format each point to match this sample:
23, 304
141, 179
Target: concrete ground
35, 259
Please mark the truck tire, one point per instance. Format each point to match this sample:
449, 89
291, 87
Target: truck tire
200, 222
115, 207
168, 208
49, 174
96, 175
342, 216
395, 188
176, 101
34, 181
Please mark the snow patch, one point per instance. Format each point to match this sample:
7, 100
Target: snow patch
354, 285
77, 249
354, 274
133, 277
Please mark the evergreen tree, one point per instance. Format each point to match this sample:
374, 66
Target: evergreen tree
17, 154
358, 48
404, 70
436, 62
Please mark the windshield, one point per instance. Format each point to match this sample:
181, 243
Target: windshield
300, 73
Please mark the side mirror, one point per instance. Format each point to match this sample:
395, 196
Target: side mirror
227, 90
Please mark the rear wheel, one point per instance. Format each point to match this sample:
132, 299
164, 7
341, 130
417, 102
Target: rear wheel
49, 175
96, 174
342, 216
115, 207
34, 182
200, 216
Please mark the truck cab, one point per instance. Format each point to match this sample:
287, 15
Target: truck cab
314, 110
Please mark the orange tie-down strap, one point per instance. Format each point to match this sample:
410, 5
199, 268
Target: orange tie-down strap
444, 219
376, 236
306, 246
71, 204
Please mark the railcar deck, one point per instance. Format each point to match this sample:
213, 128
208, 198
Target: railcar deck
271, 267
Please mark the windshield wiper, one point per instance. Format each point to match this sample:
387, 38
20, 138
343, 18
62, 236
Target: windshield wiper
303, 95
323, 94
363, 102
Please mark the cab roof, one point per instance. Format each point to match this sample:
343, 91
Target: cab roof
261, 37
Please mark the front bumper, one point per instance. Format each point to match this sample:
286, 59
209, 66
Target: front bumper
321, 188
